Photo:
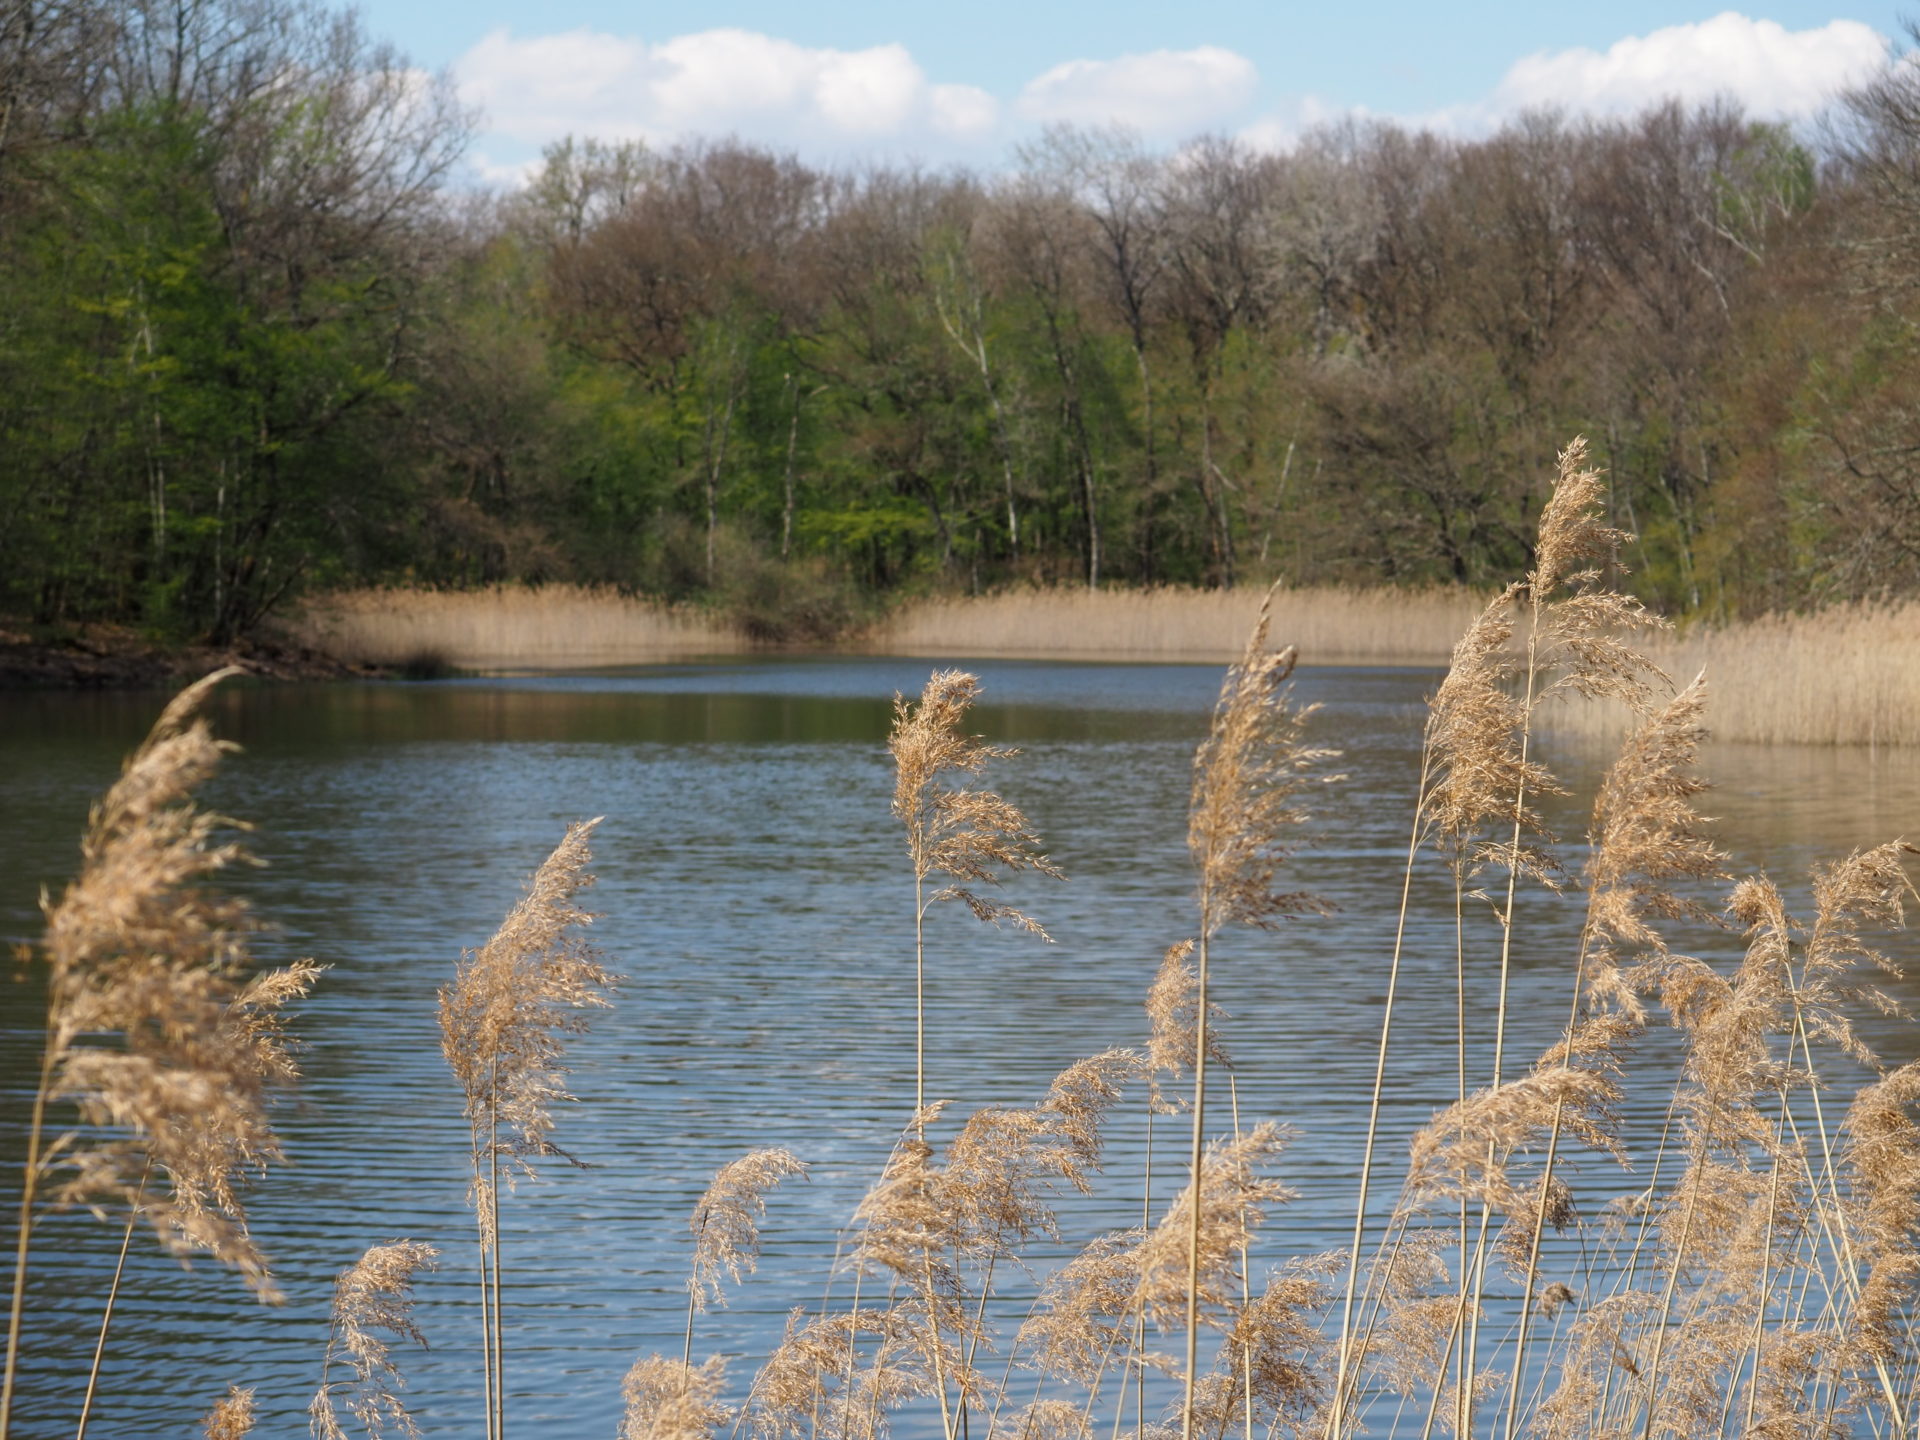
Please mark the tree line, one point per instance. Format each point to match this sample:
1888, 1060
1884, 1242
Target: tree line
256, 336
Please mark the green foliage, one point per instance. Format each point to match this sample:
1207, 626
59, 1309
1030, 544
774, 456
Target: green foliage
712, 373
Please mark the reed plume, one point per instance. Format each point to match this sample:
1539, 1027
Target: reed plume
1646, 837
371, 1297
965, 834
1881, 1152
1044, 1420
1084, 1311
1268, 1375
171, 1056
231, 1418
726, 1226
503, 1024
1225, 1209
1249, 778
671, 1400
1173, 1021
817, 1382
726, 1222
957, 832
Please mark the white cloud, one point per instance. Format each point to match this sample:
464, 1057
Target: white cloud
537, 89
1164, 93
1775, 73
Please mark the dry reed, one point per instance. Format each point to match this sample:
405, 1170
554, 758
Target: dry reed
1844, 675
555, 626
231, 1418
725, 1224
170, 1054
503, 1023
1333, 625
965, 834
1243, 819
671, 1400
371, 1296
550, 627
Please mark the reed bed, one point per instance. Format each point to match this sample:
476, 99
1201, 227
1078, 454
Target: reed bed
1755, 1272
557, 626
510, 627
1844, 675
1332, 625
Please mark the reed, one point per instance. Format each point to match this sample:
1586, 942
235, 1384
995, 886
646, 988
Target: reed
1334, 625
503, 1023
372, 1297
967, 835
232, 1416
169, 1052
556, 626
1843, 675
511, 627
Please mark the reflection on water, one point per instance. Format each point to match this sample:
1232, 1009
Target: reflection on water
754, 894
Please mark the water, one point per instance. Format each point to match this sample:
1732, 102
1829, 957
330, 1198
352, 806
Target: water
754, 895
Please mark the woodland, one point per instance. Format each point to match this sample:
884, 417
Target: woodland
262, 334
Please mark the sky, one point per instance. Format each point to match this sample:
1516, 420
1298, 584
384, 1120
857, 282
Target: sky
845, 81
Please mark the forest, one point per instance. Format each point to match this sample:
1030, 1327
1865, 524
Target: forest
264, 335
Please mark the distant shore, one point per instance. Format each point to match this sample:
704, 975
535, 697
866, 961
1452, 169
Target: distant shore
114, 657
563, 626
1846, 675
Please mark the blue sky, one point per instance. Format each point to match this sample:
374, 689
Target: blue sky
854, 79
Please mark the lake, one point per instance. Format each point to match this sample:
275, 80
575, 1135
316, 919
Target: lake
755, 896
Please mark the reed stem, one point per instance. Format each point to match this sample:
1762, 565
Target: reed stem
29, 1184
113, 1294
1194, 1162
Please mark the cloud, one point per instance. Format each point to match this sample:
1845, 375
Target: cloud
537, 89
1773, 72
1162, 93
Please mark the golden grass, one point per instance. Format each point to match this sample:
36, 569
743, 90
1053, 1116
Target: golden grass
514, 627
1846, 675
560, 626
1328, 625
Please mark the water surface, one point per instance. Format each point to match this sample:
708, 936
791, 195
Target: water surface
754, 894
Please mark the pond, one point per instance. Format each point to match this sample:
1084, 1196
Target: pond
754, 895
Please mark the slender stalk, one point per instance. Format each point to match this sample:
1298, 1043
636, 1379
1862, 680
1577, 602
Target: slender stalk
1335, 1414
686, 1348
113, 1295
486, 1314
1766, 1265
1546, 1189
1666, 1304
933, 1349
1193, 1170
1140, 1313
919, 1000
15, 1317
1246, 1283
1471, 1355
499, 1350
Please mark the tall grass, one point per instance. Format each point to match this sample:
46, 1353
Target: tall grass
549, 627
1332, 625
1755, 1273
1844, 675
1848, 674
166, 1045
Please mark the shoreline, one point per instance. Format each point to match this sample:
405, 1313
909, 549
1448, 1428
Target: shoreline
112, 657
1845, 675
